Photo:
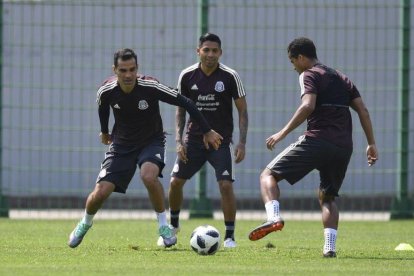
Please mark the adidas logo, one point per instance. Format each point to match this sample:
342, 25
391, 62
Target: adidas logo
117, 106
225, 173
158, 156
194, 87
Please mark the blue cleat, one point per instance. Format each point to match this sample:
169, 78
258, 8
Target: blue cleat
167, 236
77, 234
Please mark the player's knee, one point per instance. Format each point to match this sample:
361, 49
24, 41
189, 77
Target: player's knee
324, 198
269, 178
177, 183
101, 193
149, 178
226, 187
266, 173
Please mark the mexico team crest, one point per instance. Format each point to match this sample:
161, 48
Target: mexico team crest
143, 105
219, 86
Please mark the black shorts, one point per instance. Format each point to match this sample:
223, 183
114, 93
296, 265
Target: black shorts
121, 162
197, 154
309, 153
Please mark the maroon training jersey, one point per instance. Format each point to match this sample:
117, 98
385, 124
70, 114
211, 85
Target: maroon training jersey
331, 120
213, 96
137, 114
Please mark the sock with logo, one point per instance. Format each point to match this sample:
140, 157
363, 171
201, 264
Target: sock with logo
272, 210
330, 240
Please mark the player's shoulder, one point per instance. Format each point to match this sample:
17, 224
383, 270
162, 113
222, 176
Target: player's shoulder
315, 72
145, 77
228, 70
148, 81
152, 83
108, 84
190, 69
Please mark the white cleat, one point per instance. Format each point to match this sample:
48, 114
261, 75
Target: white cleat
229, 243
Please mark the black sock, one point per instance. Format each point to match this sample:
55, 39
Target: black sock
175, 218
229, 230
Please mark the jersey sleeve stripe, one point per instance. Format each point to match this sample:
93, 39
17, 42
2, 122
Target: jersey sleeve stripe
186, 70
239, 84
301, 84
159, 86
104, 88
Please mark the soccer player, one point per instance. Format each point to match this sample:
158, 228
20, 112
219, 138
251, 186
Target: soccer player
326, 145
137, 138
214, 87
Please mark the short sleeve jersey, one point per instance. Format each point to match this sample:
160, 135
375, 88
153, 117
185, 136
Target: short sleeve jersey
331, 120
213, 96
137, 114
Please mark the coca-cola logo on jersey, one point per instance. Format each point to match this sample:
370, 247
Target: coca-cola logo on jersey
209, 97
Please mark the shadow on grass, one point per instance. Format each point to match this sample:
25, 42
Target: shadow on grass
377, 258
173, 249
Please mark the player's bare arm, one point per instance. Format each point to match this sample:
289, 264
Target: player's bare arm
365, 120
240, 150
179, 130
304, 110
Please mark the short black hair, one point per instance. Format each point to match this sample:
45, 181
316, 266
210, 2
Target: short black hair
302, 46
209, 37
125, 54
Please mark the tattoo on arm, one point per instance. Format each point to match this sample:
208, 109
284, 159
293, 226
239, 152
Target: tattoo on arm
179, 124
243, 125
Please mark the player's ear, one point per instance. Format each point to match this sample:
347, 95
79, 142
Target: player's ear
114, 69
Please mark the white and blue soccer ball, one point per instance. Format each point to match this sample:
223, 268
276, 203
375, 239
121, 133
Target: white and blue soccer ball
205, 240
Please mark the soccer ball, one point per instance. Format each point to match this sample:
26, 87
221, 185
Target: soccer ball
205, 240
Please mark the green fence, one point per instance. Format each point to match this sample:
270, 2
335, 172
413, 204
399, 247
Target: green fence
55, 54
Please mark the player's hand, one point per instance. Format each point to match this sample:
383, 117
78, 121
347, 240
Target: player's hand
212, 138
182, 152
274, 139
105, 138
239, 152
372, 154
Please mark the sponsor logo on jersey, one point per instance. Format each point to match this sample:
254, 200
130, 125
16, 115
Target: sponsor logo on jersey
225, 173
194, 87
158, 156
117, 106
208, 97
142, 105
219, 86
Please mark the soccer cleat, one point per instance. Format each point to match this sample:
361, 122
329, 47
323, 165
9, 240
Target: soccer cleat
266, 228
167, 235
77, 234
229, 243
160, 241
329, 254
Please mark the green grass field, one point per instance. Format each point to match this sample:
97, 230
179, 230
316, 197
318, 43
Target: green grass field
128, 247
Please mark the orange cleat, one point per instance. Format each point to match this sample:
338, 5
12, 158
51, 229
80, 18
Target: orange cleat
266, 228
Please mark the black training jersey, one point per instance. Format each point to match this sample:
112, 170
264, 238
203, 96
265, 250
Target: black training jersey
137, 114
331, 120
213, 96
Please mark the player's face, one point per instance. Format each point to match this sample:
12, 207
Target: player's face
297, 63
126, 71
209, 53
